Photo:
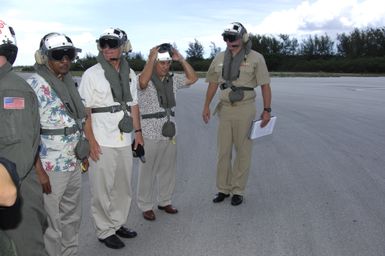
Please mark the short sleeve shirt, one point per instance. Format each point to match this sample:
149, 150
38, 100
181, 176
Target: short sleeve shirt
253, 72
148, 104
95, 92
57, 152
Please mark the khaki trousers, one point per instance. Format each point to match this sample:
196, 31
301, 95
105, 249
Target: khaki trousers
233, 129
110, 182
63, 207
158, 172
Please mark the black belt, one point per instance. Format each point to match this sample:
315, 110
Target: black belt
110, 109
63, 131
244, 88
224, 86
157, 115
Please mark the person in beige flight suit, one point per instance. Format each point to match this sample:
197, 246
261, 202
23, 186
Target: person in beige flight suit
237, 71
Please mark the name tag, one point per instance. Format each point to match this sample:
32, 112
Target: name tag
13, 103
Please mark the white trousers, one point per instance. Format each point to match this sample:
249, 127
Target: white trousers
110, 182
158, 172
63, 207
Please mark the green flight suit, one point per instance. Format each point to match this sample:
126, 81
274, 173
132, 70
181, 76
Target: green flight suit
25, 222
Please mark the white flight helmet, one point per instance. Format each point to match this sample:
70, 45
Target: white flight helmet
8, 47
115, 33
164, 52
238, 30
163, 56
55, 46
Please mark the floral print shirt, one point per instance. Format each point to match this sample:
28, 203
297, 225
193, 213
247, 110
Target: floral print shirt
148, 104
56, 151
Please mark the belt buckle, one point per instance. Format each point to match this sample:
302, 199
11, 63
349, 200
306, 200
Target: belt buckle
115, 108
66, 131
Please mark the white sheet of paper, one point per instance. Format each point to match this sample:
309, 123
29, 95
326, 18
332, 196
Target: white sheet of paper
256, 131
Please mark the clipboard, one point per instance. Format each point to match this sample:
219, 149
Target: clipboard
256, 131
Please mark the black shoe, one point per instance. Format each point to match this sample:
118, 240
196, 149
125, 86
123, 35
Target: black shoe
236, 200
112, 242
220, 197
126, 233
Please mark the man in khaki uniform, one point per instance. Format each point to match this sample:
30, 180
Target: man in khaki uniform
237, 71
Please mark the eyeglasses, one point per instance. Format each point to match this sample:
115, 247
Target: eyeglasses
110, 42
59, 54
230, 37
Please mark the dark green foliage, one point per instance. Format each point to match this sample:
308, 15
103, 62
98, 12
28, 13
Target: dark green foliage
361, 51
137, 64
195, 51
362, 43
85, 63
27, 69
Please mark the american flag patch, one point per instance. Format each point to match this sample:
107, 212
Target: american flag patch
13, 103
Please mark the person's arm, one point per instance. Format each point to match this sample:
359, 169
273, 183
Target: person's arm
42, 176
95, 150
211, 90
145, 75
8, 190
266, 96
137, 127
191, 76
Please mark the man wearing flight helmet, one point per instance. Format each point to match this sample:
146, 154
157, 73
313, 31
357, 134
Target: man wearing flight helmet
237, 71
62, 114
109, 91
25, 222
157, 93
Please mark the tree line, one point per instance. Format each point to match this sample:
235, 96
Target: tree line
360, 51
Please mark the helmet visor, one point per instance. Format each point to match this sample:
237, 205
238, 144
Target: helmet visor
112, 43
59, 54
230, 37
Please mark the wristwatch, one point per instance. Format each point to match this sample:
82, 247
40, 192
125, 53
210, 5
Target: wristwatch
268, 110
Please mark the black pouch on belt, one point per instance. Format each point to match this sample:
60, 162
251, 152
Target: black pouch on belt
126, 124
236, 95
168, 129
82, 148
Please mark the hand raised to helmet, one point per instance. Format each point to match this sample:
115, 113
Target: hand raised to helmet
153, 53
176, 56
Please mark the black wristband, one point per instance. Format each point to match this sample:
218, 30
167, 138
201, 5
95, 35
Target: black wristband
138, 130
267, 110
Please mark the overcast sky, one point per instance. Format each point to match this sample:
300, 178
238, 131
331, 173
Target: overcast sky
149, 23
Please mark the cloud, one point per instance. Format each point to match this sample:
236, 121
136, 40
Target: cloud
323, 16
82, 21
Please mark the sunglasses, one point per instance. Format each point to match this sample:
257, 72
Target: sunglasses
110, 42
229, 37
59, 54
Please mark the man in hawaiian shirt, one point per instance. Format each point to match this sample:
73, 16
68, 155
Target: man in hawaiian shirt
61, 116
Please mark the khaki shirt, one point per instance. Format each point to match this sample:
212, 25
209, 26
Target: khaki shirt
253, 72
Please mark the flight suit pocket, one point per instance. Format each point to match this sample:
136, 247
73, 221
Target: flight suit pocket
9, 132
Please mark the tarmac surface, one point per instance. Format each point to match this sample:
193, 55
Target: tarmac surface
316, 185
